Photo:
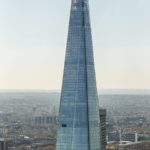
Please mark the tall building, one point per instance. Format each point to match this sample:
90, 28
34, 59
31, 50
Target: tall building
79, 123
103, 128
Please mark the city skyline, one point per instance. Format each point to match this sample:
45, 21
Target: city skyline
31, 37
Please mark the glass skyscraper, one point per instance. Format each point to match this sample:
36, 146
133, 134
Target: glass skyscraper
79, 123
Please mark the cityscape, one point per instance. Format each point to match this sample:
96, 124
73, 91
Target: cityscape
29, 119
97, 105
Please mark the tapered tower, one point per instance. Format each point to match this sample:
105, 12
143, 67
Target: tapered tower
79, 123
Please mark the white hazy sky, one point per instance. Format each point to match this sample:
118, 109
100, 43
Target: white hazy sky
33, 37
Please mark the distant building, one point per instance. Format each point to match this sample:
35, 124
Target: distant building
128, 136
3, 131
125, 136
114, 136
135, 120
103, 127
45, 120
2, 144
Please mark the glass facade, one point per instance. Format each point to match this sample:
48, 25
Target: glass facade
79, 123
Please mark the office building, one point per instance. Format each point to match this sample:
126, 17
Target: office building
79, 123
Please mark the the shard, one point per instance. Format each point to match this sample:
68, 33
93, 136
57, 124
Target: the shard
79, 123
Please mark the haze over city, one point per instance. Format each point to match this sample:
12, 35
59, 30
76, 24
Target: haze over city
33, 42
43, 109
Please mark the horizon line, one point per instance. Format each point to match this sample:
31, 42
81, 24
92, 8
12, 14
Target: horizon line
105, 91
